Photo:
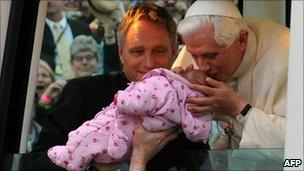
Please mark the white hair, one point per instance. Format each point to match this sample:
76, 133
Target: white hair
83, 42
226, 29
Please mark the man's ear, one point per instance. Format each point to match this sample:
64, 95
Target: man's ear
120, 50
174, 52
243, 40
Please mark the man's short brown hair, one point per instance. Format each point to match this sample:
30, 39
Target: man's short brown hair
150, 12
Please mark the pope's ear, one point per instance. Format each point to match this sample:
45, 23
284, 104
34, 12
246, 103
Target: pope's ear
243, 39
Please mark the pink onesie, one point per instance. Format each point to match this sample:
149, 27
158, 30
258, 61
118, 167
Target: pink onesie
158, 99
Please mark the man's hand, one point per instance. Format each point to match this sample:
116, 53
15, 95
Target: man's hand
146, 144
220, 99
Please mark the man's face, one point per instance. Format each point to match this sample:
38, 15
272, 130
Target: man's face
218, 62
53, 6
84, 63
147, 46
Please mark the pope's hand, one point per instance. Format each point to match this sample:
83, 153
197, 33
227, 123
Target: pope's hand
219, 99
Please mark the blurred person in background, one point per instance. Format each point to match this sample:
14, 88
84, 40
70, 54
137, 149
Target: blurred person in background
84, 61
97, 31
47, 91
78, 10
109, 14
45, 77
84, 56
177, 8
58, 35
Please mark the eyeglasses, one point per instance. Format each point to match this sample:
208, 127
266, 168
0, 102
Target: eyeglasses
81, 58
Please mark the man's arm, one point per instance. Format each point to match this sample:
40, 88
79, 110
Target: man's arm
264, 129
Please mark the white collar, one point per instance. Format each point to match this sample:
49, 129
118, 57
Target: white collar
249, 56
63, 22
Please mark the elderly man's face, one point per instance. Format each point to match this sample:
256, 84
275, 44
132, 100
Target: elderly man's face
217, 61
84, 63
147, 46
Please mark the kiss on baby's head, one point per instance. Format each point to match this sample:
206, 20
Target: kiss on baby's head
194, 76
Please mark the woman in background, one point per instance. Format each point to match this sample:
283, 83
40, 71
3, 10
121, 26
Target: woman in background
46, 92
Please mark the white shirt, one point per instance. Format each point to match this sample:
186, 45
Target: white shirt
69, 39
64, 23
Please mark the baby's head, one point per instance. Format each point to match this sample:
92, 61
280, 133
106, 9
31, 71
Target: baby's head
194, 76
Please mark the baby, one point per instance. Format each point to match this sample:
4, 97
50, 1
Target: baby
158, 99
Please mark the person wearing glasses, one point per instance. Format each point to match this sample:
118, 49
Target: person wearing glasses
84, 56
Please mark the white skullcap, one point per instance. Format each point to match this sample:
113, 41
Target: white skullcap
215, 7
